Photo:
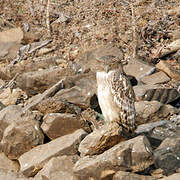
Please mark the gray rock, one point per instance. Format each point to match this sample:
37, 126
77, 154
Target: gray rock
122, 175
59, 124
156, 78
57, 168
156, 93
151, 111
166, 130
129, 155
146, 128
167, 155
34, 160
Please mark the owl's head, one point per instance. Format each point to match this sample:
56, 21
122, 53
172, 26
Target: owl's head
110, 63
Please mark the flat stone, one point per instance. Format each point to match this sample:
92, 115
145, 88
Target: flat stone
156, 93
146, 128
166, 130
138, 69
34, 160
156, 78
122, 175
129, 155
59, 124
57, 168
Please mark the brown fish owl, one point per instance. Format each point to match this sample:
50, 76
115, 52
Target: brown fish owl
115, 93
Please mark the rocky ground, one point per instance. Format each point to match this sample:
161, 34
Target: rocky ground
51, 125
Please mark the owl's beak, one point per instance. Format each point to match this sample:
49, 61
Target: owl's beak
107, 69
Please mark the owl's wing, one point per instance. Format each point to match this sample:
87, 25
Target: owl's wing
124, 97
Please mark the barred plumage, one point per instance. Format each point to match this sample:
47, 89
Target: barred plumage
115, 95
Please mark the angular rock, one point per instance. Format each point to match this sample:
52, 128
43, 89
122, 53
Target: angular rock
79, 90
30, 66
82, 90
11, 35
15, 113
151, 111
34, 160
156, 93
57, 168
7, 164
10, 42
157, 173
122, 175
87, 60
138, 69
2, 106
8, 51
146, 128
38, 81
123, 156
167, 155
59, 124
175, 176
8, 175
167, 68
166, 130
20, 137
168, 49
55, 105
19, 131
101, 139
8, 97
156, 78
35, 100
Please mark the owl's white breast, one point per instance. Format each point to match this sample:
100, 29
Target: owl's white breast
105, 97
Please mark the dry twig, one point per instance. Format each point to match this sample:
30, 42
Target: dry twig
47, 18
